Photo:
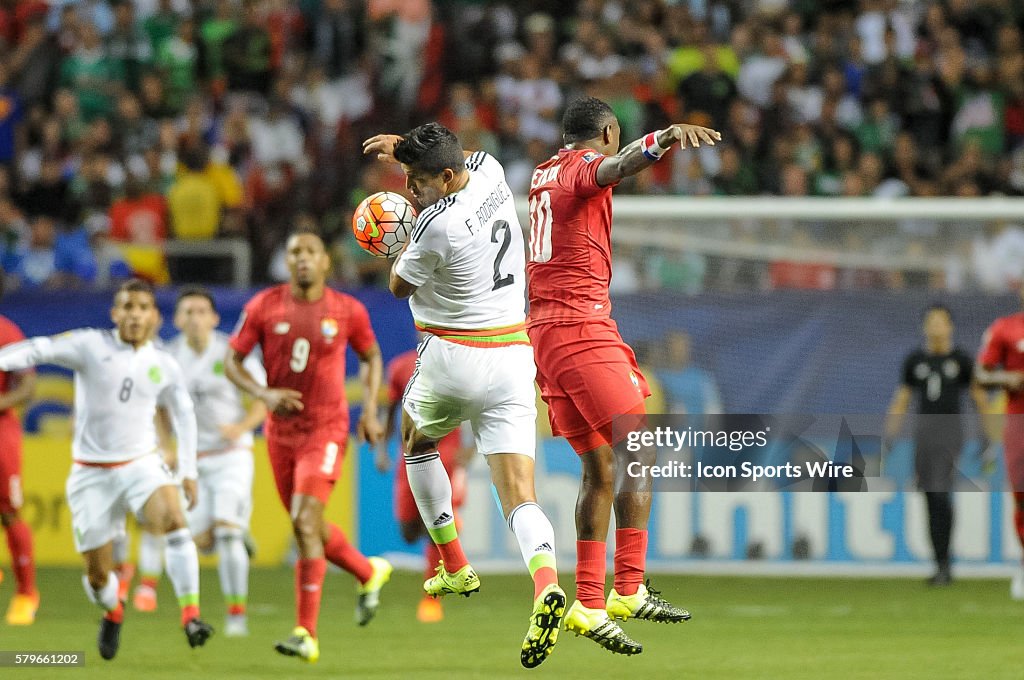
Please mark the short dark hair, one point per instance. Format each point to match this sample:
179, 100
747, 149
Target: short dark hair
136, 286
936, 307
195, 291
431, 148
584, 119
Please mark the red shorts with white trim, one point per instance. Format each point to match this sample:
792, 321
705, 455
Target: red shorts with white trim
306, 464
10, 467
588, 377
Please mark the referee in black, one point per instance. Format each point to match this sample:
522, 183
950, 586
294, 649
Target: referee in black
938, 374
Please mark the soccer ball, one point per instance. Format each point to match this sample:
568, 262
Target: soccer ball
382, 223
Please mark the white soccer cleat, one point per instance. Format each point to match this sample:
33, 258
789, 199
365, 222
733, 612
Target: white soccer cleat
236, 625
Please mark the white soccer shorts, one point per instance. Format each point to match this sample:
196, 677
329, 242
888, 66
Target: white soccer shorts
492, 387
225, 490
99, 497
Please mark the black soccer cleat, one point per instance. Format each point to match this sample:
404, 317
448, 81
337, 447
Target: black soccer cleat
198, 632
109, 639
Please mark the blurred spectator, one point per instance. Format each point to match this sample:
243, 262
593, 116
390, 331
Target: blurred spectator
246, 54
52, 258
140, 216
998, 258
178, 60
93, 75
128, 44
193, 200
688, 389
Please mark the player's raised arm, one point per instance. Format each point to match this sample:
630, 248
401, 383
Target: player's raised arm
646, 151
989, 372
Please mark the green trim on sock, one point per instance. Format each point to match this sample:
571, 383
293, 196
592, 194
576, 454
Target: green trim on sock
445, 534
541, 560
186, 600
235, 600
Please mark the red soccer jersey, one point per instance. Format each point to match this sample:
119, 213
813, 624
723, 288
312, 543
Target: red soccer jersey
1003, 346
570, 239
9, 334
399, 372
304, 349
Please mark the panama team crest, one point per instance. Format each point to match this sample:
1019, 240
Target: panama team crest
329, 329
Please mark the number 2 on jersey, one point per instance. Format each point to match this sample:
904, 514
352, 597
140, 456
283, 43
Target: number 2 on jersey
499, 280
300, 355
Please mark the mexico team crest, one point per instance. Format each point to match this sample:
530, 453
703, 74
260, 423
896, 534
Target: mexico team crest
329, 329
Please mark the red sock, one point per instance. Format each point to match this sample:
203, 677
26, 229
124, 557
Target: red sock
630, 559
19, 540
591, 566
149, 581
115, 615
542, 578
432, 556
340, 552
1018, 515
236, 609
309, 585
189, 612
454, 558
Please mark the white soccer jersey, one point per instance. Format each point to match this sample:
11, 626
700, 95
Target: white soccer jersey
217, 400
117, 390
467, 256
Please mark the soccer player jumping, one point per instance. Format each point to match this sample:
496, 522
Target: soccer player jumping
587, 375
462, 270
120, 378
1001, 365
303, 328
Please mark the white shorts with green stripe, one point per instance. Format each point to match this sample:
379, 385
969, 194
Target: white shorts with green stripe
491, 387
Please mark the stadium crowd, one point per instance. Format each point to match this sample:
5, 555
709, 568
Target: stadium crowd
123, 124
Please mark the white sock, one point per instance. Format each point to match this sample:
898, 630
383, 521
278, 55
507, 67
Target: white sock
151, 555
106, 596
120, 548
232, 564
535, 534
432, 489
183, 565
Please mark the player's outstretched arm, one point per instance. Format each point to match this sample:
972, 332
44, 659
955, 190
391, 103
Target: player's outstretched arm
64, 350
279, 401
371, 374
646, 151
897, 410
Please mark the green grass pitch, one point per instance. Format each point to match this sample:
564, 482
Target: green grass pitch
799, 628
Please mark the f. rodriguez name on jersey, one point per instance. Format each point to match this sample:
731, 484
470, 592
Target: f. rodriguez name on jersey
491, 204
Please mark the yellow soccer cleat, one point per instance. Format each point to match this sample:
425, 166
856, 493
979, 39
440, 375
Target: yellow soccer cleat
597, 626
301, 644
23, 608
645, 605
545, 621
429, 610
463, 582
369, 592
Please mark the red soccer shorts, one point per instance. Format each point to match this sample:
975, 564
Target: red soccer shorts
405, 502
10, 467
306, 464
588, 377
1013, 451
